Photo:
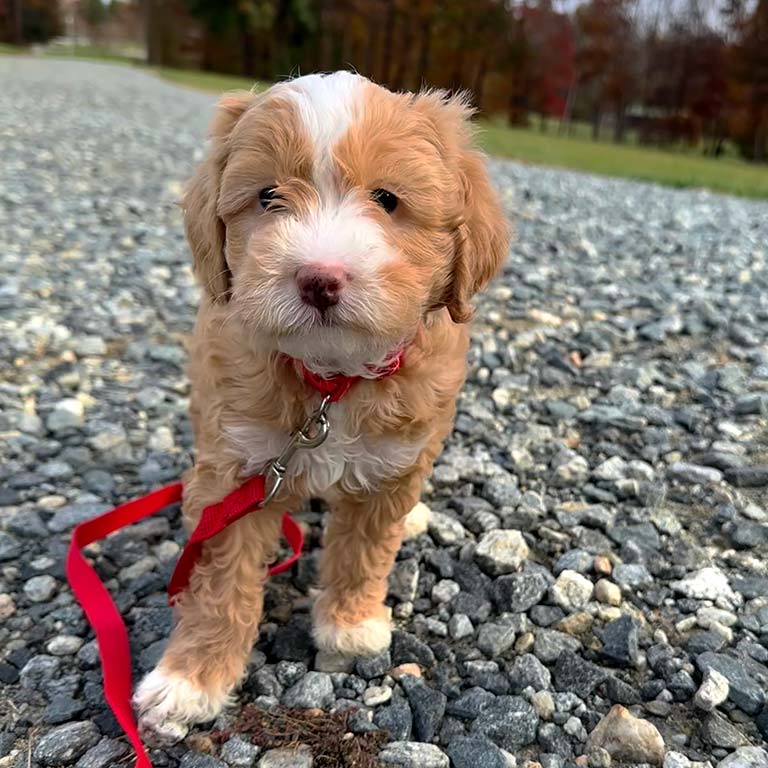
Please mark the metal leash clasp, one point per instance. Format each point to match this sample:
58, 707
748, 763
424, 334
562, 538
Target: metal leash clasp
311, 434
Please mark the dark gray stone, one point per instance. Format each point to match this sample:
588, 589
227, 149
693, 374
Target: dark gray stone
527, 671
407, 648
65, 744
374, 666
427, 706
313, 691
574, 674
620, 642
517, 592
510, 722
396, 719
470, 704
469, 752
720, 732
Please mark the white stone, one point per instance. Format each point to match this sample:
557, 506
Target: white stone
676, 760
614, 468
571, 591
544, 704
161, 440
501, 552
713, 691
707, 616
377, 694
444, 591
746, 757
444, 529
64, 645
66, 414
707, 584
607, 592
412, 754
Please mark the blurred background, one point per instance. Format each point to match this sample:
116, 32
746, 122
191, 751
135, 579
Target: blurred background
587, 85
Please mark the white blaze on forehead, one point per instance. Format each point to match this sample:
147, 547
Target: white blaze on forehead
328, 105
339, 231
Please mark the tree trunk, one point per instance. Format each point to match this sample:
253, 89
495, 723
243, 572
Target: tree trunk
17, 29
405, 58
387, 45
246, 50
425, 53
565, 118
478, 87
596, 118
620, 124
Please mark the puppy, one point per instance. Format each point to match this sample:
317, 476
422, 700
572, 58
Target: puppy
339, 225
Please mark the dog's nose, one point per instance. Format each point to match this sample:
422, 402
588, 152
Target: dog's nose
321, 285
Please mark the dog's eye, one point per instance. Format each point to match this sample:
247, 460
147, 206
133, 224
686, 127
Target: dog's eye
269, 199
385, 199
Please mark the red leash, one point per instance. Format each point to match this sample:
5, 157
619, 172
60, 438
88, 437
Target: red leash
95, 600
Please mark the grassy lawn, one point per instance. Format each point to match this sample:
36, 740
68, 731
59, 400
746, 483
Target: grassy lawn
675, 169
13, 50
529, 145
206, 81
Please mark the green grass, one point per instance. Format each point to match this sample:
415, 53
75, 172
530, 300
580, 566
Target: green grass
97, 52
206, 81
13, 50
675, 169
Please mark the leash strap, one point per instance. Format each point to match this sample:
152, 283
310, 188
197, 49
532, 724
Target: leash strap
215, 518
99, 608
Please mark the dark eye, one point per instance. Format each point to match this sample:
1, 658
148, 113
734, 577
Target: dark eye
269, 199
385, 199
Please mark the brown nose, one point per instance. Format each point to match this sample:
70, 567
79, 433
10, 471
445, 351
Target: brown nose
321, 285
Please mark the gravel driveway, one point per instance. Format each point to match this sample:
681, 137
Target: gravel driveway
615, 415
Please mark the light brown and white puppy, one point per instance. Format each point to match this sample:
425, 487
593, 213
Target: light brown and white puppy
336, 223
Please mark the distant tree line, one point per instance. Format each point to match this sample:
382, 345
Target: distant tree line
660, 72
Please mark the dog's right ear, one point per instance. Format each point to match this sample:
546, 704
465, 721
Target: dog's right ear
205, 231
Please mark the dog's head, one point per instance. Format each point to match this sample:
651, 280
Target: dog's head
333, 216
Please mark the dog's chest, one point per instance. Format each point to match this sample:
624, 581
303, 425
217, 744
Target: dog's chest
358, 461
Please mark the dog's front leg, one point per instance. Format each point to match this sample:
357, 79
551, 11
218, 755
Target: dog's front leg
361, 542
218, 618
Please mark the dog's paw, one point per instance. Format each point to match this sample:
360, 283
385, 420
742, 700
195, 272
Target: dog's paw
369, 637
417, 521
167, 704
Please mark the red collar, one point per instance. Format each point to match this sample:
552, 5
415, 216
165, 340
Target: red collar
338, 385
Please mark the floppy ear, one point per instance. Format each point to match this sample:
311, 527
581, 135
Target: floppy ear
205, 231
481, 237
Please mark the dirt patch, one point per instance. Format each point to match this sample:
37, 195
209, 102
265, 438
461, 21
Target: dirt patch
328, 736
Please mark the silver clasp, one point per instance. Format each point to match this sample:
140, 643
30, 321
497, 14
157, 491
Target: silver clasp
311, 434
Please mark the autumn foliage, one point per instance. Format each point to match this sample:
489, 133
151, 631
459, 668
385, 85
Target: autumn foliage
689, 72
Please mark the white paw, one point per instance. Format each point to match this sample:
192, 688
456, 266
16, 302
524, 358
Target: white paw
367, 638
168, 703
417, 520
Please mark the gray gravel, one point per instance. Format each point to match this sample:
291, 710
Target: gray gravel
614, 416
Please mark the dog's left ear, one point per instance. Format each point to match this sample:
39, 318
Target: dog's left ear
205, 231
